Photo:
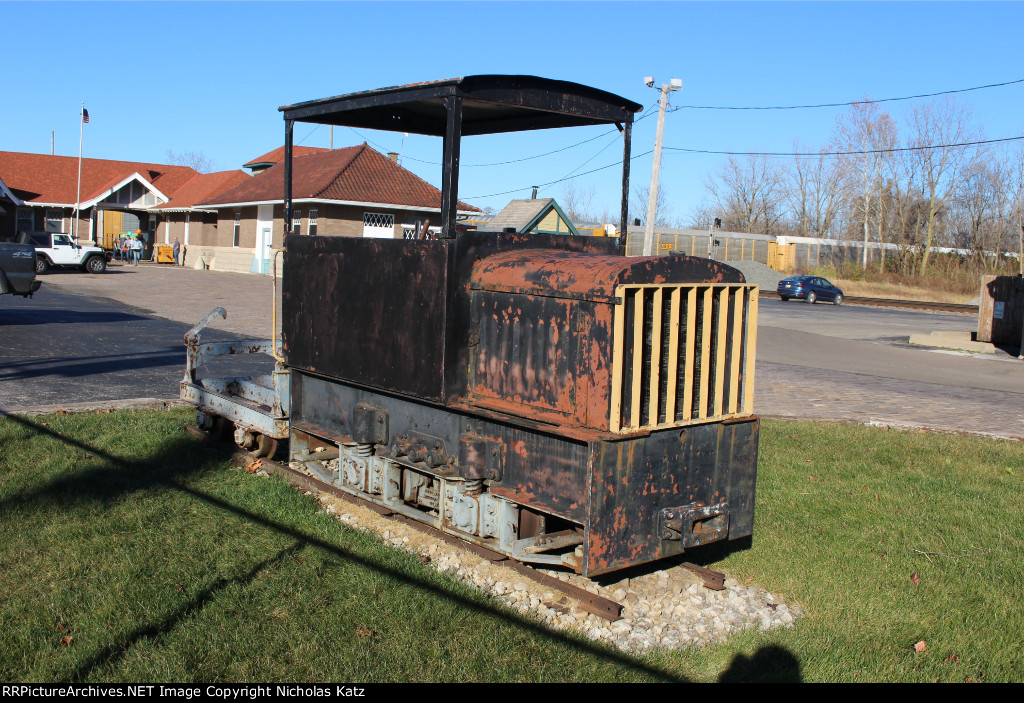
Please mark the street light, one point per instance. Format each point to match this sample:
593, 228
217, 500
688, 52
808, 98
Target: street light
674, 84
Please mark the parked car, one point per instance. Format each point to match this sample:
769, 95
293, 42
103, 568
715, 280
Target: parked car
58, 250
810, 288
18, 269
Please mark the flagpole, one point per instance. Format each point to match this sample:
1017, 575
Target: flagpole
78, 200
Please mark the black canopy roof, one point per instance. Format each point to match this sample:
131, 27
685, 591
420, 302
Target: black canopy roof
472, 105
490, 104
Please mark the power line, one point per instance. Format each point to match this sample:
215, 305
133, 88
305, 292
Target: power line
853, 102
598, 153
558, 180
645, 114
843, 153
515, 161
298, 143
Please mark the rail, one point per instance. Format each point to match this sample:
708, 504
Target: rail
587, 601
890, 303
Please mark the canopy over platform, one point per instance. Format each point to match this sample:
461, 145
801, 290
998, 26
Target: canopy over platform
472, 105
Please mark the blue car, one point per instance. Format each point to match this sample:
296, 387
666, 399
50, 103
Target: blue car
809, 288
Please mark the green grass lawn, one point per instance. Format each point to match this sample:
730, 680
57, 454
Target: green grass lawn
130, 553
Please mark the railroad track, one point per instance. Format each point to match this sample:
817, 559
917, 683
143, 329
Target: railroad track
587, 601
890, 303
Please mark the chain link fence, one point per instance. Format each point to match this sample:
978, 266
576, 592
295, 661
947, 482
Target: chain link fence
783, 255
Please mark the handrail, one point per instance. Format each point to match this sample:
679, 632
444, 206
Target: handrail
273, 331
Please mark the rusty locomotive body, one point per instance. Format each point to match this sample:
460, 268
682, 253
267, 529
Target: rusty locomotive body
543, 396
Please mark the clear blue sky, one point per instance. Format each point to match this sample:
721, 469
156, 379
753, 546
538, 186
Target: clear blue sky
209, 77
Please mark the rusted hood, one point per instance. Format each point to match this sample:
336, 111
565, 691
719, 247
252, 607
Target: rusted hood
572, 275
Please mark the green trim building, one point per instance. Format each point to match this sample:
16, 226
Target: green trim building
537, 216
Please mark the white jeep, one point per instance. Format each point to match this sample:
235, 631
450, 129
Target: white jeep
58, 250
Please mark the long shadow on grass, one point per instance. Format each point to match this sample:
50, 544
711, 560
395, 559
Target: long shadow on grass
112, 652
160, 473
769, 664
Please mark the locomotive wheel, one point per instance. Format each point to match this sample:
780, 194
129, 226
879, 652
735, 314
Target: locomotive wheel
265, 447
221, 428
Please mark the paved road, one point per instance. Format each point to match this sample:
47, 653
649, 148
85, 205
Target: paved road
814, 361
59, 348
855, 363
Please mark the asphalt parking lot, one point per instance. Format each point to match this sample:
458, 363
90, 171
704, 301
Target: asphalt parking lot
814, 362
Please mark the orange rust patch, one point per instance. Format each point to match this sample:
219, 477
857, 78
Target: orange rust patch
520, 448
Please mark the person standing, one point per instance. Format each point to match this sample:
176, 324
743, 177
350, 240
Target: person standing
136, 249
177, 249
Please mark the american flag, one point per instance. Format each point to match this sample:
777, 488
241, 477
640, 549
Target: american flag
85, 116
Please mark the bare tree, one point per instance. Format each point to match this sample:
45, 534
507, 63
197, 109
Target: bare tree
937, 128
978, 213
815, 193
750, 194
638, 205
577, 202
194, 159
702, 215
869, 131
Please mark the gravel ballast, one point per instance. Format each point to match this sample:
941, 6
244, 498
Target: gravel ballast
666, 607
765, 277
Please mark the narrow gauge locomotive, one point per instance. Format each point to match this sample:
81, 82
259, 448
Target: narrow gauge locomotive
543, 396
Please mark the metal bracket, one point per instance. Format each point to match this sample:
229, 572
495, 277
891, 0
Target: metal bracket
422, 449
369, 425
480, 457
694, 524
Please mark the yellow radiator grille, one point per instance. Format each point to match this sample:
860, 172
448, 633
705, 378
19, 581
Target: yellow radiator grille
682, 354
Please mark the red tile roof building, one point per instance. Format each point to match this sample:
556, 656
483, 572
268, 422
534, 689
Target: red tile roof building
116, 196
354, 192
262, 163
227, 220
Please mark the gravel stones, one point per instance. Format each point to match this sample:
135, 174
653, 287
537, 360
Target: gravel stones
757, 273
665, 606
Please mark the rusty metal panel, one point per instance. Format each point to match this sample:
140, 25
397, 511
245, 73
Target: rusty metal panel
537, 469
591, 277
371, 311
1001, 310
541, 318
526, 353
634, 480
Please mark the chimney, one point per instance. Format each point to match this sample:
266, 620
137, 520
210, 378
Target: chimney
393, 156
534, 196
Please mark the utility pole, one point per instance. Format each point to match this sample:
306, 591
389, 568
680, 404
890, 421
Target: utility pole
652, 200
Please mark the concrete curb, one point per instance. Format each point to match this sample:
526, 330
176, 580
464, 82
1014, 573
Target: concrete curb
894, 425
98, 406
952, 340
